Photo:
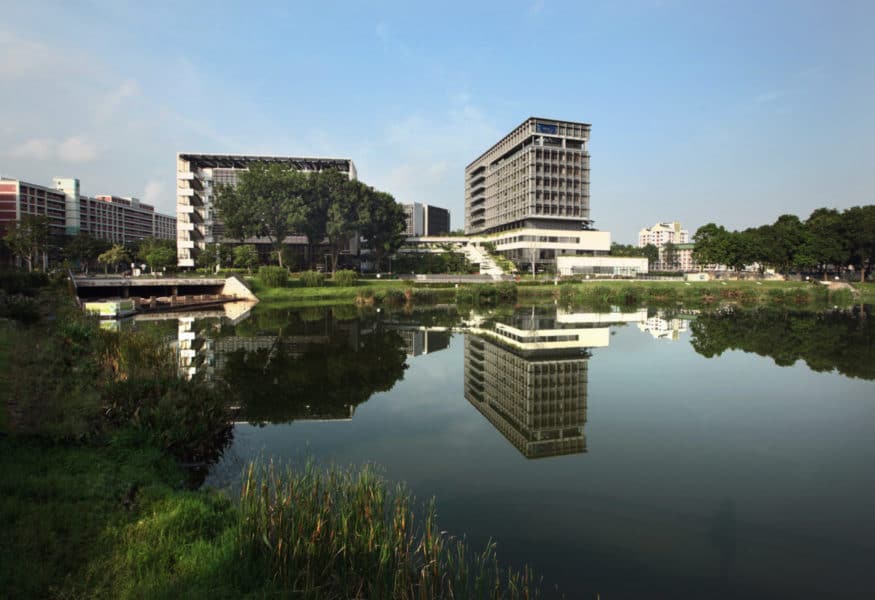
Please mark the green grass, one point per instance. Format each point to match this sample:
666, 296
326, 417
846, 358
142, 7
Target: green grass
93, 503
112, 522
626, 292
5, 381
616, 291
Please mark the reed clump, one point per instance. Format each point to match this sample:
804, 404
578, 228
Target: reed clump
346, 534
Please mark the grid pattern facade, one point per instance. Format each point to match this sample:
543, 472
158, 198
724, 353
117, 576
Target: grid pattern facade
121, 220
197, 176
536, 176
538, 404
19, 198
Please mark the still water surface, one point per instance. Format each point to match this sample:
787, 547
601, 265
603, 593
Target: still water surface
628, 454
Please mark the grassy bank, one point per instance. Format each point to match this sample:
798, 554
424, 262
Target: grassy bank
96, 503
619, 292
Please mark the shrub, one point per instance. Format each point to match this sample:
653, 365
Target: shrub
188, 419
424, 296
312, 279
19, 308
344, 277
365, 297
273, 277
20, 282
392, 297
486, 293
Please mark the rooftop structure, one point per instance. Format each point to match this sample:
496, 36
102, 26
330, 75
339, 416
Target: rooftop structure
198, 174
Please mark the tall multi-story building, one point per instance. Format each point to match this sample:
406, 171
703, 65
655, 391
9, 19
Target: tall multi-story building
197, 175
530, 193
111, 218
123, 220
537, 176
663, 233
19, 198
425, 219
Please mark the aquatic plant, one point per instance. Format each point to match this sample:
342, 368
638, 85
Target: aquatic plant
339, 533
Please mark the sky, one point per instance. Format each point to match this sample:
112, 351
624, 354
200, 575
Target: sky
730, 112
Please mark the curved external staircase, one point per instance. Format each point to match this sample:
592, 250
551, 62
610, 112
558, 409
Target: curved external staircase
476, 254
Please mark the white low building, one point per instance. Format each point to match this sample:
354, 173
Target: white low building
601, 266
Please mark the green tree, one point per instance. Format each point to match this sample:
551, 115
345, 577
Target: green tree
114, 256
245, 257
158, 254
28, 238
711, 245
651, 252
344, 199
267, 202
859, 227
382, 225
84, 249
824, 239
215, 255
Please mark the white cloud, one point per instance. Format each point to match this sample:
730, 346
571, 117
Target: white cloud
76, 149
34, 149
536, 7
111, 101
154, 192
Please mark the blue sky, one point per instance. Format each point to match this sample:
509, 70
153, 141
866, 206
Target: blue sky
733, 112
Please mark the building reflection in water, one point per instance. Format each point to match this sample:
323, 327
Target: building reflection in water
418, 342
663, 326
528, 375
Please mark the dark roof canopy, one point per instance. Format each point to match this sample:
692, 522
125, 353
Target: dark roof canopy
242, 161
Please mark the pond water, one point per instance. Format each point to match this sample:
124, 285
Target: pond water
623, 454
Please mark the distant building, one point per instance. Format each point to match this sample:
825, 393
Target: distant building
663, 233
196, 178
19, 198
110, 218
425, 219
602, 266
683, 257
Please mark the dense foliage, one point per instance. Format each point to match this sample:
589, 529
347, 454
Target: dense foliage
829, 241
274, 202
344, 277
273, 277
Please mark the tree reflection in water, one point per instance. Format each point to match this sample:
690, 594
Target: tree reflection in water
842, 341
309, 365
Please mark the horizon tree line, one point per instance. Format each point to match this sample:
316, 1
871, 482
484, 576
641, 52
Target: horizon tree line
828, 241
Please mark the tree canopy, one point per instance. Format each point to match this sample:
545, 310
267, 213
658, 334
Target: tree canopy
828, 241
28, 238
274, 202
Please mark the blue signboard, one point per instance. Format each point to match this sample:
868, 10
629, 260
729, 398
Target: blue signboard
545, 128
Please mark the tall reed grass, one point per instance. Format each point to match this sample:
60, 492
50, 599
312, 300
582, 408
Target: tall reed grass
346, 534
